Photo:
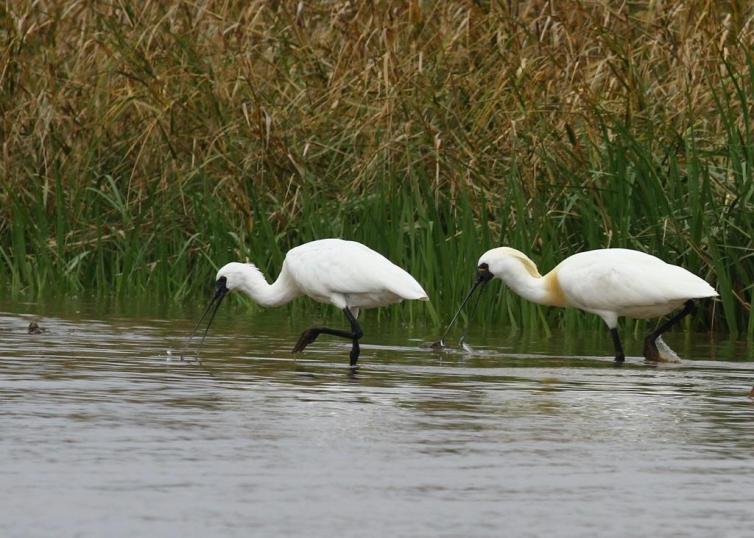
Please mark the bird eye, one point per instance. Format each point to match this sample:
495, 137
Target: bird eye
484, 267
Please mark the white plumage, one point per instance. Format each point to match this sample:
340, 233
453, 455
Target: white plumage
349, 274
611, 283
345, 274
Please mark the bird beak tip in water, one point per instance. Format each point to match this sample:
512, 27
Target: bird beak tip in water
221, 290
483, 276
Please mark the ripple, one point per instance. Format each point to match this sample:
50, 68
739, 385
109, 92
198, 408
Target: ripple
112, 433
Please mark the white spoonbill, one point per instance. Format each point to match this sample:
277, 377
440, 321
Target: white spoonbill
345, 274
610, 282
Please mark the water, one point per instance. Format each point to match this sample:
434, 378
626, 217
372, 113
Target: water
104, 433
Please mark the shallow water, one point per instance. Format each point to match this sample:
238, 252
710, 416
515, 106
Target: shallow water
104, 433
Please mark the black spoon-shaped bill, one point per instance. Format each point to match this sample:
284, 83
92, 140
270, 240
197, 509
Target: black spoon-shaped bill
483, 276
221, 290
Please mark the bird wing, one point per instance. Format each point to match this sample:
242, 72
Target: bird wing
608, 279
347, 267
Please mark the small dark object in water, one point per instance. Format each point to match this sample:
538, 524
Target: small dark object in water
438, 345
751, 394
34, 328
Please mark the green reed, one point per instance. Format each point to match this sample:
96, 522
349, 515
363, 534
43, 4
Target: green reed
145, 146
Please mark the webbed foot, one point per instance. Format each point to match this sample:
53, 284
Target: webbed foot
306, 338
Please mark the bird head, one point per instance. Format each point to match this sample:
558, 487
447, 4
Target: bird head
496, 263
502, 261
231, 276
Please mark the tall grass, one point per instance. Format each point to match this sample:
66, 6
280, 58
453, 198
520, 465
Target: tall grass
146, 143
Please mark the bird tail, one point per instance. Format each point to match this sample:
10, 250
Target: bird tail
410, 289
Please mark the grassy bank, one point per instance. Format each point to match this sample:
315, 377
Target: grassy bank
144, 144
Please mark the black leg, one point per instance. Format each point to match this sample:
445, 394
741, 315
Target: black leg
311, 334
688, 307
356, 334
619, 355
650, 348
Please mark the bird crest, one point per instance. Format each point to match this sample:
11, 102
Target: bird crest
529, 265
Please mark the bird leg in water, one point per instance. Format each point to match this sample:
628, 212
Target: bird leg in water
311, 334
651, 353
619, 355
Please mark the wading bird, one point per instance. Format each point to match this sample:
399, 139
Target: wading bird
609, 282
342, 273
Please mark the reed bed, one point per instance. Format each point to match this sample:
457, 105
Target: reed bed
146, 143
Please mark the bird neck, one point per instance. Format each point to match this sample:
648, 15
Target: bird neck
280, 292
538, 289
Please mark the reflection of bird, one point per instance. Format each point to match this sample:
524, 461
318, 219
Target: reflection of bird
34, 328
345, 274
609, 282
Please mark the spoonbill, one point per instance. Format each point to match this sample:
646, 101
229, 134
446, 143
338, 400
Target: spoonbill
610, 282
346, 274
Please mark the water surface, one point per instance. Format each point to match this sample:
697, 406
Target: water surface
106, 433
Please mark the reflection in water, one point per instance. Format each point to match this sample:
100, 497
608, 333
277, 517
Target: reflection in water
105, 431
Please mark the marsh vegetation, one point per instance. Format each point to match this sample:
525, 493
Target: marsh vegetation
146, 143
